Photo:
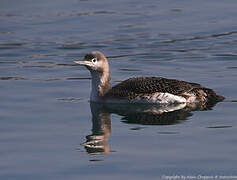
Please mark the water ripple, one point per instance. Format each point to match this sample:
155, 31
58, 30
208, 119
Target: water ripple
229, 54
9, 78
70, 99
17, 44
12, 62
68, 79
89, 13
7, 32
201, 37
46, 55
128, 55
12, 78
7, 15
92, 13
168, 132
217, 127
39, 66
232, 67
72, 45
136, 128
129, 69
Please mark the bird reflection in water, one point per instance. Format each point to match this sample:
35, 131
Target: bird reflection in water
144, 114
96, 143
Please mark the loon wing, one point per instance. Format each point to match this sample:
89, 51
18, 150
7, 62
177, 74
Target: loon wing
133, 87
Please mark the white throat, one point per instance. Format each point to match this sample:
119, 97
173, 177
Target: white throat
100, 85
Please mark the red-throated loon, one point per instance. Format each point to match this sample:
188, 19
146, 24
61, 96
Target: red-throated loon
155, 90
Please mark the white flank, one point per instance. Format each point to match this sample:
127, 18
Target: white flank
154, 98
159, 98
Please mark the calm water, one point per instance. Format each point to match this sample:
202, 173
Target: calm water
46, 123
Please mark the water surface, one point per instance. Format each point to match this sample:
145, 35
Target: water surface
45, 115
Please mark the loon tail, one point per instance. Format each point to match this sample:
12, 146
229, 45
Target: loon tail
212, 96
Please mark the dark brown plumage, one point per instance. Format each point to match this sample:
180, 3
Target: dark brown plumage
138, 86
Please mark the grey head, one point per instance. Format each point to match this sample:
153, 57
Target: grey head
98, 66
95, 62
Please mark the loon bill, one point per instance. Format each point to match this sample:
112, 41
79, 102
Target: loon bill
155, 90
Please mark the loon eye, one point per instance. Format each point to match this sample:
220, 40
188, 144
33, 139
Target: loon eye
94, 60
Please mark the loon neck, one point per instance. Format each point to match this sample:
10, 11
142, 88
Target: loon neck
100, 85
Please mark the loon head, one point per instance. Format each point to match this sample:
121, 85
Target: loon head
95, 62
98, 66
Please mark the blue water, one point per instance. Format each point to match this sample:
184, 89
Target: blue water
45, 114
